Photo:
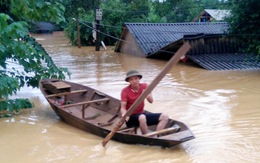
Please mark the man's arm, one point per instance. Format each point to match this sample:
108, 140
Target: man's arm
150, 98
123, 109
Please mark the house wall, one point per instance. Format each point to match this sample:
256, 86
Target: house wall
130, 46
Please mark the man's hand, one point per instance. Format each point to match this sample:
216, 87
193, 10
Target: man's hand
127, 118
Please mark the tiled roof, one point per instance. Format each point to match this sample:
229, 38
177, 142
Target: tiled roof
228, 61
153, 36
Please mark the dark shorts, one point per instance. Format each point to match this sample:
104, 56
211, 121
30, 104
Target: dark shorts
151, 119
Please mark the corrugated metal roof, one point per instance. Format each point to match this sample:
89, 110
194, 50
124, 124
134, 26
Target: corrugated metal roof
228, 61
153, 36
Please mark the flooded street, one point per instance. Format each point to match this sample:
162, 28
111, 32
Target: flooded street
222, 109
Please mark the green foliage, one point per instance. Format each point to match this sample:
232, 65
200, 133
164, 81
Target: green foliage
38, 10
13, 106
23, 61
8, 86
116, 12
112, 20
245, 23
18, 48
74, 8
81, 10
86, 32
174, 11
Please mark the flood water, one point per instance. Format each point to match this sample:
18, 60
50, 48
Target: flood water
220, 107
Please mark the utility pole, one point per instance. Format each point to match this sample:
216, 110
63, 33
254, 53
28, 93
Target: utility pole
78, 31
98, 18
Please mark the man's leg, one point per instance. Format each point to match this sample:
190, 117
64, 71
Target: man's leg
163, 120
142, 124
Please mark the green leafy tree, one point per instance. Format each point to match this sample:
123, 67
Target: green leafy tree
152, 16
116, 12
79, 10
136, 10
23, 61
244, 22
112, 20
211, 4
172, 11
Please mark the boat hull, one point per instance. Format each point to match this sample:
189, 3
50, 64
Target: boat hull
101, 125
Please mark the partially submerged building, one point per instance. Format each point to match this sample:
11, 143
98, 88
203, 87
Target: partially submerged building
44, 27
145, 39
211, 48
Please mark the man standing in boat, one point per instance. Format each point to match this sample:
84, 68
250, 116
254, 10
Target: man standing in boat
139, 117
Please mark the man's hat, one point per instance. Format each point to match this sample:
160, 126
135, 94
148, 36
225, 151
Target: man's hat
132, 73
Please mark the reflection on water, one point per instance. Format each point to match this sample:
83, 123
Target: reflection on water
220, 107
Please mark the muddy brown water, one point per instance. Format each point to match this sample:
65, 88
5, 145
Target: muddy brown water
220, 107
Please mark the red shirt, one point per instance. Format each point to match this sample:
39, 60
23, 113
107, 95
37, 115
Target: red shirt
129, 96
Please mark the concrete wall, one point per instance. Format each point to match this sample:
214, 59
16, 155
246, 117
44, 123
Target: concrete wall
130, 46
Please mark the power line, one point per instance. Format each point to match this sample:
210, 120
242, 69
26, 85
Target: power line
160, 31
102, 32
118, 38
178, 8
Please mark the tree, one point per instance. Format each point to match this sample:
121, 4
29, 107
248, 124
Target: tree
244, 22
79, 10
116, 12
177, 10
18, 48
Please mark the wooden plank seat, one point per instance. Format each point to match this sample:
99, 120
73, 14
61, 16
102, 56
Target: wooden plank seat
85, 104
128, 129
67, 93
181, 135
163, 131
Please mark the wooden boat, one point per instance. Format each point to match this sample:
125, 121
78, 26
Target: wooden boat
98, 113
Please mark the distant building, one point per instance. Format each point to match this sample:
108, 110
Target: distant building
44, 27
209, 15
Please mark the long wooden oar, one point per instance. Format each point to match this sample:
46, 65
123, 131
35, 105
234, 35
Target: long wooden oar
181, 52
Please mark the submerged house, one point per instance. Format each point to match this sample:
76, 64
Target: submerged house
209, 15
145, 39
211, 48
44, 27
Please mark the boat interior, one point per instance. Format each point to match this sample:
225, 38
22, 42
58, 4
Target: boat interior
95, 107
